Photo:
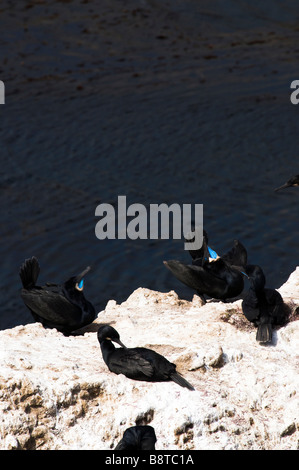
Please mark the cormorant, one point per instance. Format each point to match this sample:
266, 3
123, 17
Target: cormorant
138, 438
137, 363
63, 307
212, 275
262, 306
294, 181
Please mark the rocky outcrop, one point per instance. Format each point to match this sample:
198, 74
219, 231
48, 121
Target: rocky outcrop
57, 393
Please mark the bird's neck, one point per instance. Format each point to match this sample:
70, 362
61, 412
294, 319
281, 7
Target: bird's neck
107, 348
257, 292
77, 298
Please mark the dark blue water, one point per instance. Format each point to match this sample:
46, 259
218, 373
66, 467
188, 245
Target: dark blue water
174, 102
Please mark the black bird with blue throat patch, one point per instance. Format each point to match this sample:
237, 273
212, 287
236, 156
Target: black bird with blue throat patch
136, 363
211, 275
60, 306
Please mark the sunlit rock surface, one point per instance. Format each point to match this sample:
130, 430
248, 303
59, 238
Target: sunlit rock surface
57, 393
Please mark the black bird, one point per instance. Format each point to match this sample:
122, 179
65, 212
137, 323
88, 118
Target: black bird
213, 277
137, 363
294, 181
237, 256
63, 307
262, 306
138, 438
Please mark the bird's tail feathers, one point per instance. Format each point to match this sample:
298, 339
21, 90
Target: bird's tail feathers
29, 272
264, 333
177, 378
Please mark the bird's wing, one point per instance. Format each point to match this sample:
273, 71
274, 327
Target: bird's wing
50, 305
138, 438
273, 297
237, 256
250, 307
278, 310
130, 363
196, 277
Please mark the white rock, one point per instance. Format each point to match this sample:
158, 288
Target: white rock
57, 393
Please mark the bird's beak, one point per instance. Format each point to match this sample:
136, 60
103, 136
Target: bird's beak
245, 274
242, 270
286, 185
118, 341
81, 275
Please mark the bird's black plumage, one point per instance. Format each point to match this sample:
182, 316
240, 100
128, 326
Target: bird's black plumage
137, 363
294, 181
263, 306
236, 256
214, 278
63, 307
138, 438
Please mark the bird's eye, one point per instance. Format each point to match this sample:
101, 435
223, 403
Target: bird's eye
80, 285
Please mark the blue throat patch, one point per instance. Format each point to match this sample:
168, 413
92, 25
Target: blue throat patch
213, 253
80, 285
